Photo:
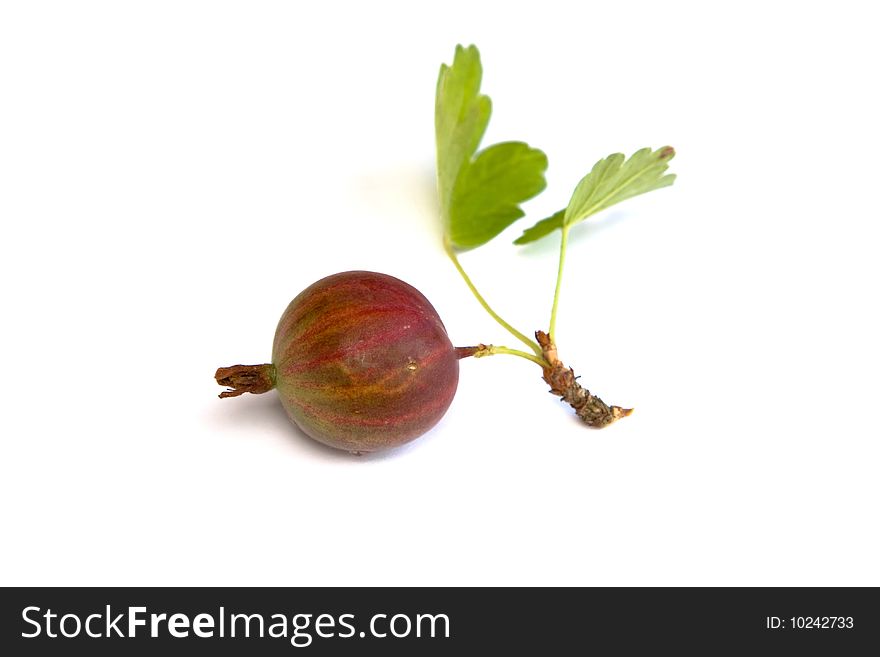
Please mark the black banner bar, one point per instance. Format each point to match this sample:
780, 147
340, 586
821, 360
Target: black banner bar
436, 621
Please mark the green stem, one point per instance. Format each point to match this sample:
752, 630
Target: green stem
562, 247
492, 350
518, 335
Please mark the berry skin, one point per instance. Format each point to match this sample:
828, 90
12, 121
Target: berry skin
362, 362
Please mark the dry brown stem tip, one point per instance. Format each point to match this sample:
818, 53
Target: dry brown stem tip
563, 383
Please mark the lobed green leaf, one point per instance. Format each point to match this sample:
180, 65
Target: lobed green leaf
479, 195
613, 179
542, 228
460, 118
488, 191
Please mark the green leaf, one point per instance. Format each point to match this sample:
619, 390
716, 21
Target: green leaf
479, 194
542, 228
460, 118
488, 191
612, 180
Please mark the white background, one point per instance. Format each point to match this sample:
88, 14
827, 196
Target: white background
173, 173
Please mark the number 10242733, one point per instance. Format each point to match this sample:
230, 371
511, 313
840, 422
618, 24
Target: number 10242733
810, 623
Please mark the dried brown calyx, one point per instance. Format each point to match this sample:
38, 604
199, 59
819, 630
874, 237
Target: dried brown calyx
563, 383
240, 379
